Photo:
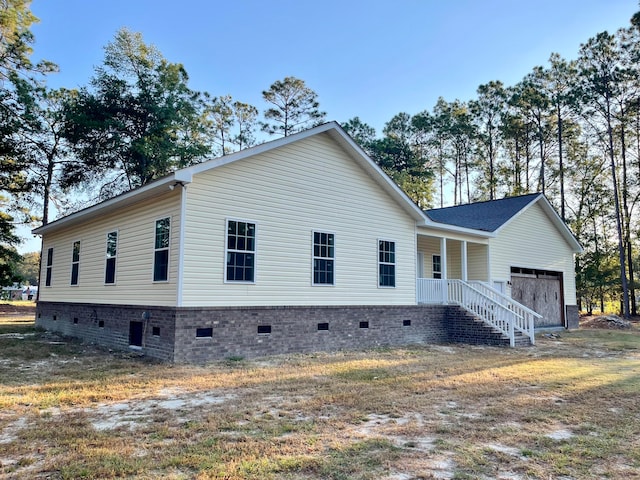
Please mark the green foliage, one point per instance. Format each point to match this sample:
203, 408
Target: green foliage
294, 107
16, 42
140, 120
16, 39
28, 268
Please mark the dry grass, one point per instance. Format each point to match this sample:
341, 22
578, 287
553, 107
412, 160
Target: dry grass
567, 408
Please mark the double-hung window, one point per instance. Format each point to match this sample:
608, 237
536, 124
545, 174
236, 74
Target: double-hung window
161, 251
241, 252
75, 263
323, 258
386, 263
49, 273
110, 262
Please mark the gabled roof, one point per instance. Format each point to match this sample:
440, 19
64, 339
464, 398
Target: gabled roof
487, 216
493, 215
185, 176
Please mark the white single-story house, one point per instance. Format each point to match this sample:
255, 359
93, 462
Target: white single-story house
300, 244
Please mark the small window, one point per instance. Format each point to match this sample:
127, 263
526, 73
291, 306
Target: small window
155, 331
437, 266
49, 267
364, 324
264, 329
161, 251
323, 258
386, 263
75, 263
241, 251
323, 326
201, 332
112, 251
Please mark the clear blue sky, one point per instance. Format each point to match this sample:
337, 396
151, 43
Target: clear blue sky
365, 58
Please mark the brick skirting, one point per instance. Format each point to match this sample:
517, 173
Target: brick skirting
201, 334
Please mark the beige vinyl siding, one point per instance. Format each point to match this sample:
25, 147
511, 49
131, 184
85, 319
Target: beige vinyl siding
476, 257
134, 267
289, 192
477, 260
532, 241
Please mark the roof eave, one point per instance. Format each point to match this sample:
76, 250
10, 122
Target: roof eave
150, 190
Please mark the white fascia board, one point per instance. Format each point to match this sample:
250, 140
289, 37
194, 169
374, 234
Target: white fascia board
444, 227
125, 199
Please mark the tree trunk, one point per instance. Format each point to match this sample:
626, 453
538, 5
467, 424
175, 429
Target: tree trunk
560, 165
621, 251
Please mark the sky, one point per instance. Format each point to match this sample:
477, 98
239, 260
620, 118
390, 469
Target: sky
365, 58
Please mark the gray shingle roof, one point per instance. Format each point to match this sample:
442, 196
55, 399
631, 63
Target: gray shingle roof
486, 216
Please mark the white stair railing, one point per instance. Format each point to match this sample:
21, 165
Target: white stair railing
494, 308
528, 316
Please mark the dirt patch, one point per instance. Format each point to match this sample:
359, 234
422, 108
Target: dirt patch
608, 322
13, 308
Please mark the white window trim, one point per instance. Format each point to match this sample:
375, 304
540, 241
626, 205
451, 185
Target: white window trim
153, 256
47, 266
226, 251
433, 272
115, 268
395, 263
313, 257
79, 241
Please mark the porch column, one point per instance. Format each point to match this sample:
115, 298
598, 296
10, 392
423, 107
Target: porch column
443, 268
463, 259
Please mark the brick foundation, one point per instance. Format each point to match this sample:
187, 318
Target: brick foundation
572, 317
198, 335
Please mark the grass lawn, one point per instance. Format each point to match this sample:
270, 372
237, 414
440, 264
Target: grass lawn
568, 408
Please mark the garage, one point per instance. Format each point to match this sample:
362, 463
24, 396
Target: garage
541, 291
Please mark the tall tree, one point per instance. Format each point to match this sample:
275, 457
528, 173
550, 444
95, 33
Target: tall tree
41, 134
488, 109
400, 157
363, 134
16, 42
294, 107
245, 116
139, 121
600, 77
560, 86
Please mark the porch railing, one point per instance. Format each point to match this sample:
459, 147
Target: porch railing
501, 312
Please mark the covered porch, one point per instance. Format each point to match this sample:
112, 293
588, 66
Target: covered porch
457, 271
